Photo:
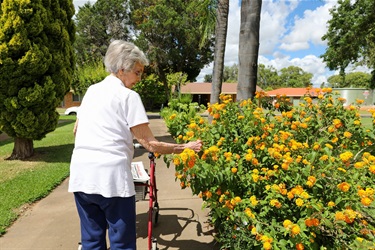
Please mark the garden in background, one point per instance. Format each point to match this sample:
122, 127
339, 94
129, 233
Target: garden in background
281, 177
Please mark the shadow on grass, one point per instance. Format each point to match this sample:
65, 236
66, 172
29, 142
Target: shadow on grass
59, 153
5, 139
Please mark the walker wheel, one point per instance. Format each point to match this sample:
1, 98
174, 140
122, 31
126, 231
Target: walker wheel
154, 244
155, 213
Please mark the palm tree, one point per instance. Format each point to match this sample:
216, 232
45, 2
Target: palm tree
248, 48
219, 52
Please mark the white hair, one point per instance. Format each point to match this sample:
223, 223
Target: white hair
123, 55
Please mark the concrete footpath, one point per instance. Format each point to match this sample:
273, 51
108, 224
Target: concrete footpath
53, 223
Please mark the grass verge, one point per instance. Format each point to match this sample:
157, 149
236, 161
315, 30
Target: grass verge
25, 182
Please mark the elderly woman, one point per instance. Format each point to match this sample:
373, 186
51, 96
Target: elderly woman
110, 116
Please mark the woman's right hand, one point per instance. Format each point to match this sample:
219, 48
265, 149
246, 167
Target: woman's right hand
194, 145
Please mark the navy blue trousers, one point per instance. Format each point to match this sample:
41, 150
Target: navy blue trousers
96, 213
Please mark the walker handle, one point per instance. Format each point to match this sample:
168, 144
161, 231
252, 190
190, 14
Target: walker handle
151, 156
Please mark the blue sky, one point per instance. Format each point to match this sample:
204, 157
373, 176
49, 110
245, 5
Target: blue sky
290, 34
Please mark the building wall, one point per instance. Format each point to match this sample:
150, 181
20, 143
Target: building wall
68, 101
351, 94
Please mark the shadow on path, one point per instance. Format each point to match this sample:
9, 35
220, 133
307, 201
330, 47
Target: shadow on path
171, 225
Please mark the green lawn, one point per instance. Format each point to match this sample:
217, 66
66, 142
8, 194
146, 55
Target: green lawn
24, 182
367, 122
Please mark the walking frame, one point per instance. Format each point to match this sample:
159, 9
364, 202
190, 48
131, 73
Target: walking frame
149, 187
153, 208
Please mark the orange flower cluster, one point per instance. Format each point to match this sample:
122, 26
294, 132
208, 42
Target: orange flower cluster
337, 123
232, 202
312, 222
300, 246
344, 186
297, 191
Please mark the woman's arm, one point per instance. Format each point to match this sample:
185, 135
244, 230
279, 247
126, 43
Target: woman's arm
144, 136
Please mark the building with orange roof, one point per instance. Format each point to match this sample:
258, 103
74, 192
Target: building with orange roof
202, 91
294, 94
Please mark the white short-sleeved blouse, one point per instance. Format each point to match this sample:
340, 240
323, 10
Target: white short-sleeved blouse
103, 148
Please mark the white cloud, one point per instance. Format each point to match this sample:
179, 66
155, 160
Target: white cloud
295, 46
273, 24
309, 28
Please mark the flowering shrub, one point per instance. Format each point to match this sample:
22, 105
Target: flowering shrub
297, 179
177, 115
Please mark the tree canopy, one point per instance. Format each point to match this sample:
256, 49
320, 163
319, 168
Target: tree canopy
295, 77
351, 36
97, 25
270, 78
36, 67
350, 80
169, 33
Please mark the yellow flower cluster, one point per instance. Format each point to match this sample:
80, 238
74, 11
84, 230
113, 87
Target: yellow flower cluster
188, 158
367, 160
337, 123
253, 200
280, 188
275, 203
225, 98
211, 152
346, 156
311, 181
249, 213
348, 215
366, 195
293, 228
266, 240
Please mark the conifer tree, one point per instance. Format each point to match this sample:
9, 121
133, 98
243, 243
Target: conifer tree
36, 68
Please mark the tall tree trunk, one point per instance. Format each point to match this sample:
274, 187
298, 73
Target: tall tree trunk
220, 41
248, 49
23, 148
